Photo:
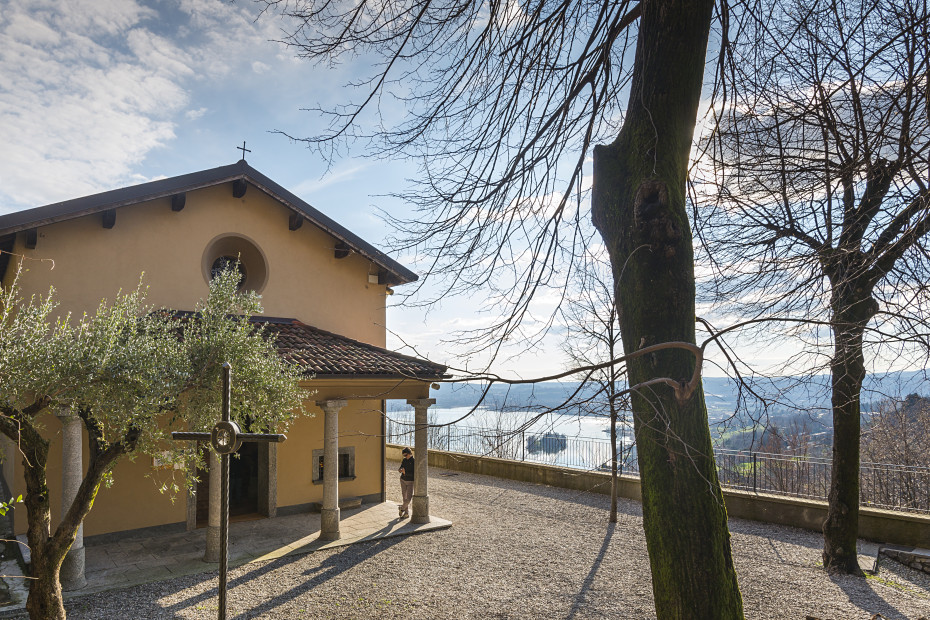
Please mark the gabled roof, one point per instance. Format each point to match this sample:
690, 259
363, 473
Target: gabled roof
329, 355
166, 188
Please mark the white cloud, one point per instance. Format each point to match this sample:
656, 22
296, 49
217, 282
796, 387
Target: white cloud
260, 67
25, 28
88, 88
193, 115
159, 54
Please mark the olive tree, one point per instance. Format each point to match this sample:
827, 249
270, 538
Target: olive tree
129, 373
502, 103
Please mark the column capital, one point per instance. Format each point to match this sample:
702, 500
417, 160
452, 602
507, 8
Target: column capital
332, 405
421, 402
65, 414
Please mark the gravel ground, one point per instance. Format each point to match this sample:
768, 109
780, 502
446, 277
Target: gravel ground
518, 550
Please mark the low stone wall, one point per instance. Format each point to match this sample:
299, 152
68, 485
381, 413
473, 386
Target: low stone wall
918, 559
883, 526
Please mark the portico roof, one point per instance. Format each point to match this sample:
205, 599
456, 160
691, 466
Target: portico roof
330, 355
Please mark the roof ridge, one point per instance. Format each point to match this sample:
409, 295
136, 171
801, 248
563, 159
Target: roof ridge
81, 206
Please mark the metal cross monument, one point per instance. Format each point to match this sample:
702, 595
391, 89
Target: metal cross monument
226, 439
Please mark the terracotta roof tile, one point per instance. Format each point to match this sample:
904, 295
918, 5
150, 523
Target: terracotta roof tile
324, 353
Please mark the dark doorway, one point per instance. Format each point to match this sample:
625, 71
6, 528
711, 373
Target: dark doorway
243, 485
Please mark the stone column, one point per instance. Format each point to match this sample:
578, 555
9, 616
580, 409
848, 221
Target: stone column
212, 552
72, 473
329, 515
421, 453
8, 450
268, 479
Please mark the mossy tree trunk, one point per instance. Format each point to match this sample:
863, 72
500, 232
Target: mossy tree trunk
613, 462
639, 208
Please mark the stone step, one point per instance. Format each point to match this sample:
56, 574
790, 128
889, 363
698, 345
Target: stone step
914, 557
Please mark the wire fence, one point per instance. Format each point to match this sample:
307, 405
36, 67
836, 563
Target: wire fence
882, 485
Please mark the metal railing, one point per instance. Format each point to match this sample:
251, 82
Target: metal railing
882, 485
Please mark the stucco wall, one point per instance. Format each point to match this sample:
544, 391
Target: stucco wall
359, 427
304, 279
132, 501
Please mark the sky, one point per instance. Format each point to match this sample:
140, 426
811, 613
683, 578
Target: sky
100, 94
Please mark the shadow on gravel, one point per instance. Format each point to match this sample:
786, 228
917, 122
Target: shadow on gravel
331, 567
579, 601
773, 532
860, 593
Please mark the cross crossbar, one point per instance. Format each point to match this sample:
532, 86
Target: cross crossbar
245, 437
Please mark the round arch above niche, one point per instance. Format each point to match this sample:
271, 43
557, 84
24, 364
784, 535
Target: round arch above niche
232, 246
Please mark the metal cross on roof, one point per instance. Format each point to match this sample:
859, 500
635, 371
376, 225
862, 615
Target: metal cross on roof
226, 439
243, 149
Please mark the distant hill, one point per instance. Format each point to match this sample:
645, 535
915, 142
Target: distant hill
786, 395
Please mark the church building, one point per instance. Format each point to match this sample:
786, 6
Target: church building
324, 292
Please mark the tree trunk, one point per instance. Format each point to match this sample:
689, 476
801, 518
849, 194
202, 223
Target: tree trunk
45, 601
841, 527
639, 208
612, 398
48, 550
613, 460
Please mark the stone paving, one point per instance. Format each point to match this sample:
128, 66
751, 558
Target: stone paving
507, 558
144, 559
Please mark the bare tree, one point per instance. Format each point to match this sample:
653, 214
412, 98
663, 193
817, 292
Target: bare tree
899, 432
813, 196
592, 336
786, 467
501, 103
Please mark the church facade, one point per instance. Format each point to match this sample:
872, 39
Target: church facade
324, 292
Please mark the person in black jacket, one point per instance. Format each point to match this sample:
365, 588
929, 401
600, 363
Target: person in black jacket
406, 482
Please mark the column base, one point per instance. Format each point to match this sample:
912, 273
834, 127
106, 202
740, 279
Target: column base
329, 524
420, 505
72, 570
212, 552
